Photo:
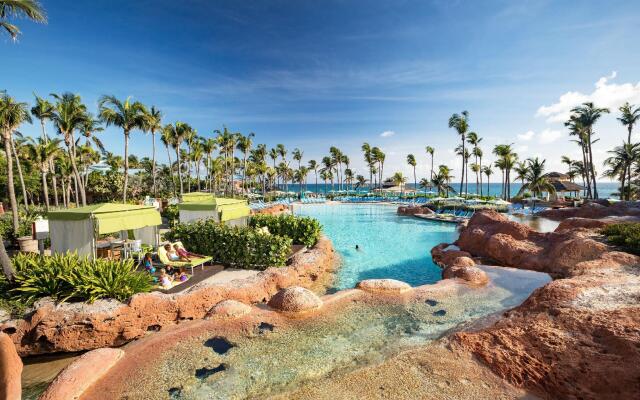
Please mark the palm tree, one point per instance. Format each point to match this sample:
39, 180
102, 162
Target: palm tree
430, 150
536, 182
244, 145
368, 158
361, 181
588, 115
180, 131
297, 156
576, 128
328, 166
378, 157
43, 111
521, 170
18, 154
630, 116
128, 116
506, 162
488, 172
619, 163
411, 160
440, 181
209, 145
167, 138
12, 115
70, 115
399, 180
30, 9
153, 124
460, 122
42, 153
227, 142
313, 166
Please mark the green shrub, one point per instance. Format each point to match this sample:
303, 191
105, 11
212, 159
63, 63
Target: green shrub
302, 230
70, 276
171, 213
243, 247
626, 235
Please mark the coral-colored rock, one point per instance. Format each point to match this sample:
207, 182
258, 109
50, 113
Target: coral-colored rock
412, 210
492, 236
78, 376
71, 327
383, 285
295, 299
469, 273
593, 211
443, 256
10, 370
230, 309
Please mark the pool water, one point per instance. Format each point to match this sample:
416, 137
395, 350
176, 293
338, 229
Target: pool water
391, 246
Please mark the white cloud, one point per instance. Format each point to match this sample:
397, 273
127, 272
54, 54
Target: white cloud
522, 149
387, 134
528, 135
549, 136
606, 94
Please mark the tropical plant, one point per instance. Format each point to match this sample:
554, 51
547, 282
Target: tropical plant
243, 247
630, 115
460, 122
301, 230
30, 9
536, 182
430, 151
43, 110
153, 123
626, 235
42, 153
411, 160
488, 172
127, 115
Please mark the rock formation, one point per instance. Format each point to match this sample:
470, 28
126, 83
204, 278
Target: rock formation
578, 337
10, 370
72, 327
229, 309
295, 299
383, 285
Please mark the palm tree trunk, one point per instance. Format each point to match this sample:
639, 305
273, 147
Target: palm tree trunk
593, 171
173, 181
72, 155
21, 177
10, 184
45, 189
179, 170
126, 167
462, 172
76, 183
488, 191
153, 162
5, 261
629, 184
54, 183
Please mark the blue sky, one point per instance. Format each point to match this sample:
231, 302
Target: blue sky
313, 74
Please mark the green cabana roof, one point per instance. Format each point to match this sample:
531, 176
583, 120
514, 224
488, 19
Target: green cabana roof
112, 217
228, 208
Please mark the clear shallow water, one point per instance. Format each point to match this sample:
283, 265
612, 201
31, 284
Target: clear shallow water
391, 246
354, 335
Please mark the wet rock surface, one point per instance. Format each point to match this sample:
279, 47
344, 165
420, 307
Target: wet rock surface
10, 370
383, 285
578, 337
295, 299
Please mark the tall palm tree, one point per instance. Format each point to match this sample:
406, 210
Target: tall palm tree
411, 160
30, 9
368, 158
630, 115
588, 114
180, 131
70, 115
378, 157
488, 172
313, 166
209, 145
430, 150
127, 115
12, 115
619, 163
477, 153
506, 162
576, 128
167, 138
42, 153
460, 122
19, 155
43, 110
361, 181
244, 145
297, 156
153, 124
227, 142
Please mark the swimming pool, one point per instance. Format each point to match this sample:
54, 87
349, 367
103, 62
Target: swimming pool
390, 245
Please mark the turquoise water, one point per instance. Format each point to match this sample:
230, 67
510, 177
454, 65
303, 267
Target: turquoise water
391, 246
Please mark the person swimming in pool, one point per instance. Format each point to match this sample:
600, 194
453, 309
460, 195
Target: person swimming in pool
358, 247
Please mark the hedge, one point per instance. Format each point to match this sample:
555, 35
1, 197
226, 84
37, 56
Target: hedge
71, 277
242, 247
626, 235
302, 230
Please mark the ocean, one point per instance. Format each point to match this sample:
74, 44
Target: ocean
605, 189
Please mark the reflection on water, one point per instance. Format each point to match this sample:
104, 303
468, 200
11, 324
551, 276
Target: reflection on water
39, 371
359, 333
538, 223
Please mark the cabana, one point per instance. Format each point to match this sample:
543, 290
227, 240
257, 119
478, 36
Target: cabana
78, 229
197, 206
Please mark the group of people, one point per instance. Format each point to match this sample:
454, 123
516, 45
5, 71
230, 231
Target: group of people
169, 273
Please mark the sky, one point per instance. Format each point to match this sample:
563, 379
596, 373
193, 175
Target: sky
314, 74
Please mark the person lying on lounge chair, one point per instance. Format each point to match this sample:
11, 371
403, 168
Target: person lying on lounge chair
173, 255
183, 253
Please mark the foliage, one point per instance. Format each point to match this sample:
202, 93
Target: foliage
26, 216
171, 213
302, 230
69, 276
244, 247
626, 235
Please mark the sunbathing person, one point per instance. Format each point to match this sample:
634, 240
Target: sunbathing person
173, 255
182, 252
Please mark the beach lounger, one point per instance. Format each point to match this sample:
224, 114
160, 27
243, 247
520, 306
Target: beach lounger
195, 262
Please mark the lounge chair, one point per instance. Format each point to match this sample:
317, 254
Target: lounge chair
195, 262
